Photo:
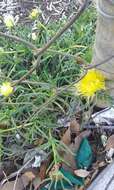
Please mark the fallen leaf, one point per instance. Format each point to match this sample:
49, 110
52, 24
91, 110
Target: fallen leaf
70, 163
29, 175
110, 143
43, 168
36, 183
7, 168
66, 139
73, 129
81, 173
74, 126
20, 183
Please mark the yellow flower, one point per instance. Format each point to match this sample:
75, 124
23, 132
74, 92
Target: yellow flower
92, 82
9, 21
6, 89
34, 14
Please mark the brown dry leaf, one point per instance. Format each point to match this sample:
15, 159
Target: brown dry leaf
70, 163
81, 173
66, 139
110, 143
43, 168
74, 128
20, 183
29, 175
36, 182
7, 168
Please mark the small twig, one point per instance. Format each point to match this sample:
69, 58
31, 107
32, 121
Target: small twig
18, 39
16, 173
28, 73
104, 127
19, 171
108, 72
65, 27
50, 100
48, 44
101, 63
45, 104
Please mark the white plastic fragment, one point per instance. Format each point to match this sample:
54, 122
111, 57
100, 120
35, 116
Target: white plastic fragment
104, 116
37, 157
37, 162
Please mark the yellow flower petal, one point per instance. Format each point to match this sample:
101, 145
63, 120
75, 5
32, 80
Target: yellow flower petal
91, 83
6, 89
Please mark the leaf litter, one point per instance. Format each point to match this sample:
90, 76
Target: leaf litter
85, 154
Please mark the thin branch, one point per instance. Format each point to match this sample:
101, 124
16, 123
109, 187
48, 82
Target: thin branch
28, 73
18, 39
101, 63
44, 105
46, 46
50, 100
108, 72
104, 127
65, 27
